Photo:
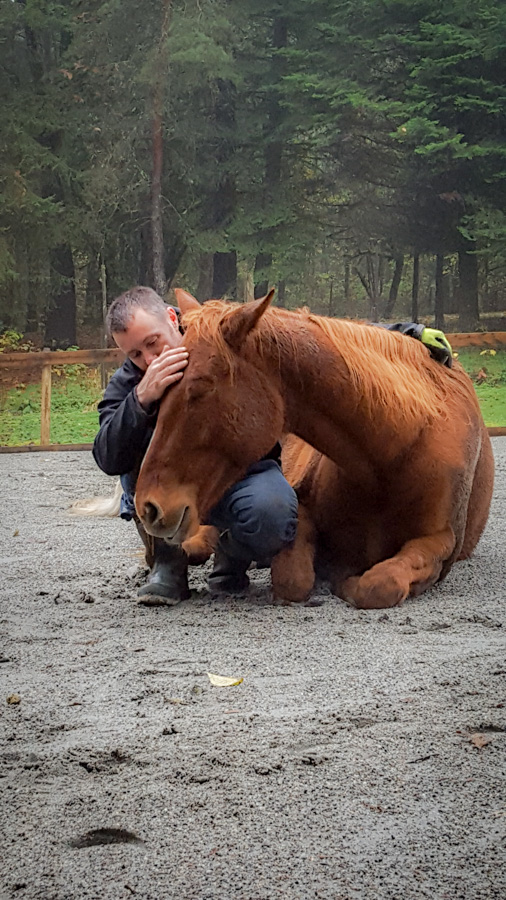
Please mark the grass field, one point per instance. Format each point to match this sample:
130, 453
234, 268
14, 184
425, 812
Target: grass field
74, 418
492, 391
76, 392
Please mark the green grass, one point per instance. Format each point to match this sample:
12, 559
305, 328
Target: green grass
492, 393
74, 398
74, 417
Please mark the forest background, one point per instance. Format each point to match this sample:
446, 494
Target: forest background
352, 154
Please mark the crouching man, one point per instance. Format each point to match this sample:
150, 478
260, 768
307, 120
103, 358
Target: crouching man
256, 518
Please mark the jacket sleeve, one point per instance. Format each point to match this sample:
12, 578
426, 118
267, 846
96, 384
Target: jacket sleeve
411, 329
125, 428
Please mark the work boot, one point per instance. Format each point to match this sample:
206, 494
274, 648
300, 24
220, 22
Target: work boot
169, 569
229, 571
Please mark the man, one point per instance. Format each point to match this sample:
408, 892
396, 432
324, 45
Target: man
257, 517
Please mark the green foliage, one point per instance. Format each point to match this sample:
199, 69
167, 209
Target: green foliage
14, 342
303, 131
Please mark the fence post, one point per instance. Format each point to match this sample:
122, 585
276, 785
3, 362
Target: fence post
45, 405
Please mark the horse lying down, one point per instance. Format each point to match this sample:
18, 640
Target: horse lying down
399, 483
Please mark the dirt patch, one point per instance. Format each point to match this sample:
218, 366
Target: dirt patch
345, 765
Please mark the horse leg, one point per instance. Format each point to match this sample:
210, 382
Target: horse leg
292, 569
416, 567
202, 545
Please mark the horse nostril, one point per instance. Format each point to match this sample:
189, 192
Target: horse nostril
151, 513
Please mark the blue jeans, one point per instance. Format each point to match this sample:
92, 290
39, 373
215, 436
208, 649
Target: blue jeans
259, 512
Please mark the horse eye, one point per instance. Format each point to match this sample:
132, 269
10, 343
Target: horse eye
199, 387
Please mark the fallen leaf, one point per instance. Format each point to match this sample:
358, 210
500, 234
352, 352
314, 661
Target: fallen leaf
479, 740
16, 533
223, 680
13, 699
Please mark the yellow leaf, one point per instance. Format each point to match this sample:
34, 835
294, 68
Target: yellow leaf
13, 699
479, 740
16, 533
223, 680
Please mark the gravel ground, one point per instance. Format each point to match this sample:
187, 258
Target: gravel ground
346, 765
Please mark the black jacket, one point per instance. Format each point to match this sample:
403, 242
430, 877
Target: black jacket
126, 428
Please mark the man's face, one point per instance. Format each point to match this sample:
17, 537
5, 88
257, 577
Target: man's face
148, 335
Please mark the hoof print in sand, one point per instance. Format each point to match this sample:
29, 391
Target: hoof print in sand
98, 837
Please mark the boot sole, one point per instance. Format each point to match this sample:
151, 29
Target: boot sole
157, 600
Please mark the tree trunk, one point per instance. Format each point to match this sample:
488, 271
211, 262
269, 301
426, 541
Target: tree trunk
415, 288
104, 335
394, 287
205, 284
347, 294
225, 275
273, 150
60, 330
281, 294
80, 261
331, 297
263, 263
158, 266
144, 259
469, 313
439, 313
224, 200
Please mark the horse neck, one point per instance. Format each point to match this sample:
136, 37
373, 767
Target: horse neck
324, 403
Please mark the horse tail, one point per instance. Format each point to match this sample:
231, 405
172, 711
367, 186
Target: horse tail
99, 506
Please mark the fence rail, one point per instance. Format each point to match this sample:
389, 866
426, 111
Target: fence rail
46, 359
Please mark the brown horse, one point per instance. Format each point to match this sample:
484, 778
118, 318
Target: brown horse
399, 485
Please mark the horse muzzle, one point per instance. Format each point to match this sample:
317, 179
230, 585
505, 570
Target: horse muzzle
173, 526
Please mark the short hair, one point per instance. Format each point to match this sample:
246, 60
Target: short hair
123, 307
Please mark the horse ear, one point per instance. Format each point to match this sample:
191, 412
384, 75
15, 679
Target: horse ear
243, 319
185, 301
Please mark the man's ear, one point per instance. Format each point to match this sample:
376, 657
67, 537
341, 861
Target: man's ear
185, 301
172, 314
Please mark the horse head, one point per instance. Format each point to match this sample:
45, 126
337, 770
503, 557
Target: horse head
225, 414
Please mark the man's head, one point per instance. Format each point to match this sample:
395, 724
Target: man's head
142, 325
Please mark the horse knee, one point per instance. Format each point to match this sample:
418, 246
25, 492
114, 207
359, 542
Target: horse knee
292, 576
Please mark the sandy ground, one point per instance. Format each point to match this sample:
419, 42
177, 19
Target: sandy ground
344, 766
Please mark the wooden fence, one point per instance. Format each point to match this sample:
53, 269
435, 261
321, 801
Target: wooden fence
45, 360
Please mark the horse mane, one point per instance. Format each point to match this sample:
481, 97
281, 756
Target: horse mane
390, 373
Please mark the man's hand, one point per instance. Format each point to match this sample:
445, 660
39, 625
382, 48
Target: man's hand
165, 370
438, 345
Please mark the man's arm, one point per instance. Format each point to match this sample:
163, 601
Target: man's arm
125, 426
128, 411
